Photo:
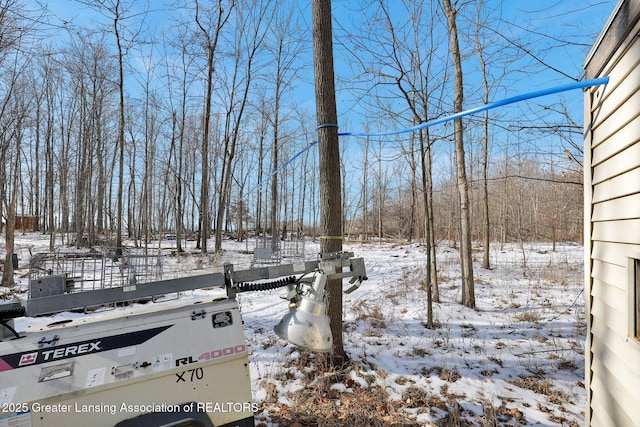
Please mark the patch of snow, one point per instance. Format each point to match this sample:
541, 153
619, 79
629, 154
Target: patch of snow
518, 358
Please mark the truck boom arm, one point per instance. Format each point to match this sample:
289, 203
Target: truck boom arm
344, 262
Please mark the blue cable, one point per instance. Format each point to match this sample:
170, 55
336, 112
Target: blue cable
501, 103
284, 165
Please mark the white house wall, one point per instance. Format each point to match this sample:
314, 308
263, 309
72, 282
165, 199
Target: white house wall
612, 226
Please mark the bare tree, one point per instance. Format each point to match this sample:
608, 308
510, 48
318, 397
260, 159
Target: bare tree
84, 116
119, 13
149, 127
116, 9
400, 58
466, 257
486, 223
177, 82
251, 27
330, 197
210, 23
14, 108
50, 79
285, 47
262, 136
382, 192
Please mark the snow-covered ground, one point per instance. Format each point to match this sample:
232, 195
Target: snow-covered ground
517, 359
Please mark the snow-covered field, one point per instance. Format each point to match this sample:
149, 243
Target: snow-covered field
518, 359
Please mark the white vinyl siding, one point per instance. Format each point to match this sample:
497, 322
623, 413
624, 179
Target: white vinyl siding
612, 228
634, 289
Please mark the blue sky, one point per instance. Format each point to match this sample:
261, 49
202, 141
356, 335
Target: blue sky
574, 20
541, 27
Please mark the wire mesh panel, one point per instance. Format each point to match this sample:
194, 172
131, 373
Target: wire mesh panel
293, 248
142, 265
267, 251
78, 271
272, 250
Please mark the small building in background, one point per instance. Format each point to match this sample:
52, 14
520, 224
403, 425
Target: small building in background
612, 222
26, 223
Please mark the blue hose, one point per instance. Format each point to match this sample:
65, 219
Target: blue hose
503, 102
284, 165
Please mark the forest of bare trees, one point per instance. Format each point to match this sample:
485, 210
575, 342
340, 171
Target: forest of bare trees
132, 121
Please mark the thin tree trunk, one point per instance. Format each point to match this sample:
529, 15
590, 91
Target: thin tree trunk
486, 226
204, 188
429, 212
468, 294
211, 48
7, 269
274, 163
121, 124
427, 225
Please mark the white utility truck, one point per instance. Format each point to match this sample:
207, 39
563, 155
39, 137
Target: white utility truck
127, 355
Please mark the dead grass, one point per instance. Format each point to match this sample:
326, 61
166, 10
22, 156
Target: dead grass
529, 316
332, 397
542, 386
567, 365
322, 404
366, 311
501, 415
449, 375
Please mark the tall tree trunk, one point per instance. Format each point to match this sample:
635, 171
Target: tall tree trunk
236, 112
430, 223
274, 164
426, 188
486, 226
329, 158
468, 294
211, 45
204, 187
381, 192
7, 268
49, 165
49, 186
177, 184
36, 211
121, 123
414, 190
259, 192
365, 195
